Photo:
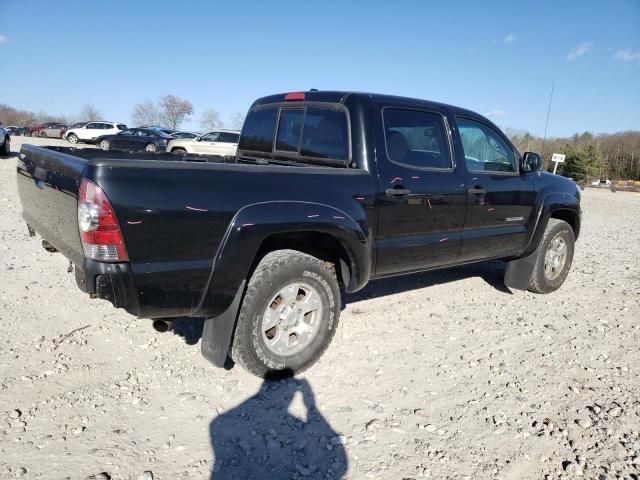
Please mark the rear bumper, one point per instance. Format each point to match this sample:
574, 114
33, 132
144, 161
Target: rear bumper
109, 281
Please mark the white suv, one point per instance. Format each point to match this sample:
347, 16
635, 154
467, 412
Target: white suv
218, 142
93, 130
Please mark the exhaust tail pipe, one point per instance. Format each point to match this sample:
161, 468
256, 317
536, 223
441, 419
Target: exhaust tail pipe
162, 325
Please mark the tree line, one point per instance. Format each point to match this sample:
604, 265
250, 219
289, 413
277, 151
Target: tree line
589, 157
168, 111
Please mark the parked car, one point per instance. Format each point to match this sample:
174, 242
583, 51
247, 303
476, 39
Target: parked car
16, 131
186, 135
49, 129
135, 139
5, 142
219, 142
90, 131
328, 190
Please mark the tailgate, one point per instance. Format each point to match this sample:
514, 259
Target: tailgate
48, 183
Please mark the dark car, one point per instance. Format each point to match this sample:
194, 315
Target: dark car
328, 190
149, 139
16, 131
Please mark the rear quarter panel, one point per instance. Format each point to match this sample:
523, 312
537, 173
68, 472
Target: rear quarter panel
174, 217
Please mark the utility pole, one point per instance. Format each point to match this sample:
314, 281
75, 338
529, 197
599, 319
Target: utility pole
547, 124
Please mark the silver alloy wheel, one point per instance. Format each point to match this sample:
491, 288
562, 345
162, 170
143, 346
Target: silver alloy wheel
104, 145
151, 148
292, 319
73, 138
555, 257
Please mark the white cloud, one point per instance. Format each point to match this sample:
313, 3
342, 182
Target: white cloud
627, 55
495, 113
580, 50
509, 38
3, 39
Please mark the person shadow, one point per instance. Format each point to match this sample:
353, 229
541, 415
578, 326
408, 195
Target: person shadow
261, 438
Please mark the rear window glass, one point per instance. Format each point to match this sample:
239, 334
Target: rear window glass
416, 138
258, 130
289, 130
325, 134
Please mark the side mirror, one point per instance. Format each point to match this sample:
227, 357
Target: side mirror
531, 162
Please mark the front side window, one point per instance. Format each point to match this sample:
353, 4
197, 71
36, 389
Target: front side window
211, 137
416, 138
484, 148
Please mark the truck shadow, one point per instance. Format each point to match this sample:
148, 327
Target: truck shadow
491, 272
260, 438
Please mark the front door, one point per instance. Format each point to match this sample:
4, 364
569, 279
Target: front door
500, 200
421, 196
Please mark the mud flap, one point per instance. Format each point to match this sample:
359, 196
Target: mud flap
216, 335
519, 272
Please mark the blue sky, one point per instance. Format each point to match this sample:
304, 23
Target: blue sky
496, 58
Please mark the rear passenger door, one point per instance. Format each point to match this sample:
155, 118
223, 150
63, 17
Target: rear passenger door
421, 197
500, 200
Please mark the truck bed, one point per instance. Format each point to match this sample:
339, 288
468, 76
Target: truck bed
174, 212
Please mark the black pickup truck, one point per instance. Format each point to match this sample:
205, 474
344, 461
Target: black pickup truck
327, 191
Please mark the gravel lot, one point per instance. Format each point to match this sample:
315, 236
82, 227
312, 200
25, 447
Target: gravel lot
437, 375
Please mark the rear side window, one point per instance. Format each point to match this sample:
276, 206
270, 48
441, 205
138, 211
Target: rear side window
258, 130
228, 137
120, 126
416, 138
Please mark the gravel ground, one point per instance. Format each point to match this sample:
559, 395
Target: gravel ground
437, 375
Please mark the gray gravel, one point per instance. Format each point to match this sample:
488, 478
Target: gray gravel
438, 375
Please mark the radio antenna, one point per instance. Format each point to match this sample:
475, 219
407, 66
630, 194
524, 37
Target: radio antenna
544, 139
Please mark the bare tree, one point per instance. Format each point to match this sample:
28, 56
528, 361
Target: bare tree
236, 120
146, 113
210, 120
174, 110
90, 113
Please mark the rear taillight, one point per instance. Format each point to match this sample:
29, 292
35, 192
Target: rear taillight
99, 230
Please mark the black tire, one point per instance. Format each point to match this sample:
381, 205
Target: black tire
5, 149
179, 151
105, 145
274, 272
33, 134
72, 138
43, 134
151, 148
540, 282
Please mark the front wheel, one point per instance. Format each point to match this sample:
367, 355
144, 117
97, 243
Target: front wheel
43, 134
288, 316
151, 147
555, 255
105, 145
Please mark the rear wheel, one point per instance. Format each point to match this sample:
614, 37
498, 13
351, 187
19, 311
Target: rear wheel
179, 151
105, 144
72, 137
151, 147
555, 255
288, 316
